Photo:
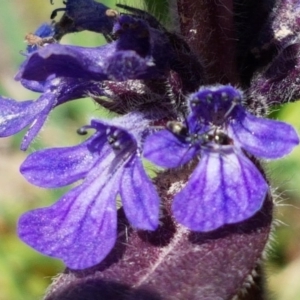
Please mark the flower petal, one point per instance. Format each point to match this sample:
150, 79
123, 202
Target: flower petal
80, 228
139, 197
45, 103
66, 61
224, 188
213, 100
278, 82
263, 137
35, 86
57, 167
164, 149
15, 116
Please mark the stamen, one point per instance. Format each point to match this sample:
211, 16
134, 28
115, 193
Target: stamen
218, 137
111, 13
55, 11
82, 130
116, 145
114, 140
233, 104
177, 128
111, 139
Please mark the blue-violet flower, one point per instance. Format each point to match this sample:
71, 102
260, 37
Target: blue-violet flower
81, 227
225, 187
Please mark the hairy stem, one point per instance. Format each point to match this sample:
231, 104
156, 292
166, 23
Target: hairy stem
208, 27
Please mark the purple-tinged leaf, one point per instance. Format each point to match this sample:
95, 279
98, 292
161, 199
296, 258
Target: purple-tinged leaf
279, 82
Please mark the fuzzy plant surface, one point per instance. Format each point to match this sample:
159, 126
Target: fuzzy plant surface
190, 92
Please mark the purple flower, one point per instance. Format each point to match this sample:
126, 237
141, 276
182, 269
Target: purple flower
71, 72
225, 187
81, 227
140, 52
15, 115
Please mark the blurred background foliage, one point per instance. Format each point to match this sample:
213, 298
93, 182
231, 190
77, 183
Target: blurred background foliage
24, 273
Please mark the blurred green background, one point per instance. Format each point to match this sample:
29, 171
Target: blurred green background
24, 273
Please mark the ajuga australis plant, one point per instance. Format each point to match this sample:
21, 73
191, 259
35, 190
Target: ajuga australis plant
190, 93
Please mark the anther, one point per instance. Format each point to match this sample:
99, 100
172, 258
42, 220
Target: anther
82, 131
111, 139
177, 128
111, 13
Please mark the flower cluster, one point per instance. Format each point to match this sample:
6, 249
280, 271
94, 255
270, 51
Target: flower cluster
168, 114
